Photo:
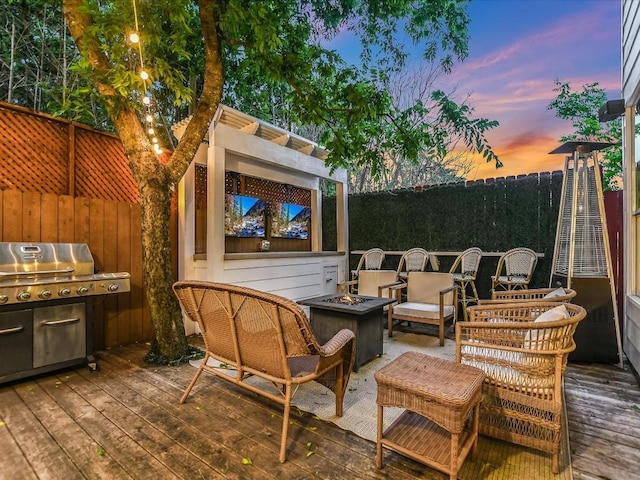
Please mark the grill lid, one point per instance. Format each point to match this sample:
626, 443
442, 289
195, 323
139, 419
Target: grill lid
31, 272
25, 259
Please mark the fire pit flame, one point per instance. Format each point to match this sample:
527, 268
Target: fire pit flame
346, 300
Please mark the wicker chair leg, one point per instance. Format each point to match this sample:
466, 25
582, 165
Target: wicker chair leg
339, 389
555, 463
285, 425
194, 379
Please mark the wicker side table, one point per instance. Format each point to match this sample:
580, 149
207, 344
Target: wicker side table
438, 396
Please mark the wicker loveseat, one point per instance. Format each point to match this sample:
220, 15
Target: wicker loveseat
524, 361
257, 333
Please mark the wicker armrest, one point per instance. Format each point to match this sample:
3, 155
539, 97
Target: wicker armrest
339, 340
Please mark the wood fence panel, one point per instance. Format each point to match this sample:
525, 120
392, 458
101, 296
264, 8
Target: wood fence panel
82, 219
141, 326
66, 219
96, 245
49, 218
110, 258
124, 263
31, 206
12, 213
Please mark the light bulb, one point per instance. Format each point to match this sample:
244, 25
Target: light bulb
148, 118
151, 131
154, 140
146, 100
144, 75
134, 37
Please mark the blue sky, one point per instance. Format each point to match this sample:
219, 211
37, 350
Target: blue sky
517, 49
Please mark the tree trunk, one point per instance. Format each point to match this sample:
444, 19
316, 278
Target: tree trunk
156, 182
170, 340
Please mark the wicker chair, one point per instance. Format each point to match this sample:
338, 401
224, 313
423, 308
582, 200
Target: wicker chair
523, 351
370, 260
257, 333
413, 260
431, 298
465, 269
518, 265
559, 294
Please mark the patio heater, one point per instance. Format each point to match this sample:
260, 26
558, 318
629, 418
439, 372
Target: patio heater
582, 257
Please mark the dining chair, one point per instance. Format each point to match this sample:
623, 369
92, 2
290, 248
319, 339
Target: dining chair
370, 260
413, 260
518, 265
464, 270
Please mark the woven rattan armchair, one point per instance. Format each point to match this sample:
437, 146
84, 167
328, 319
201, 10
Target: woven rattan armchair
370, 260
559, 294
518, 265
257, 333
523, 349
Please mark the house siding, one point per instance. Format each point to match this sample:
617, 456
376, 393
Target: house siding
631, 94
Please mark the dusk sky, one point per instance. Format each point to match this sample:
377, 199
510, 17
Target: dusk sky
517, 49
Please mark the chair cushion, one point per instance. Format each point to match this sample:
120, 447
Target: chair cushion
533, 339
558, 292
425, 287
422, 310
370, 280
512, 279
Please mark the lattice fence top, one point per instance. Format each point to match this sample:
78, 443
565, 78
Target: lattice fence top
44, 154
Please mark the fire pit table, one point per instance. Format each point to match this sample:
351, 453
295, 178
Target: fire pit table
361, 314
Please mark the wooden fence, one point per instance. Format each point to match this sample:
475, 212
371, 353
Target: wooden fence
65, 182
112, 231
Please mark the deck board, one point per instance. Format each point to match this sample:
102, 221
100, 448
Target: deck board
125, 421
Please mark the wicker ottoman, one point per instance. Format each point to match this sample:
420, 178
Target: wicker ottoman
438, 396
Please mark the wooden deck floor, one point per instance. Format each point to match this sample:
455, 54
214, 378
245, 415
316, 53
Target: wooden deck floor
125, 422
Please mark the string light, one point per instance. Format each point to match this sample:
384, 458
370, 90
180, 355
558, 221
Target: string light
134, 38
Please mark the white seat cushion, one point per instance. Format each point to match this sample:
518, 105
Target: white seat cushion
422, 310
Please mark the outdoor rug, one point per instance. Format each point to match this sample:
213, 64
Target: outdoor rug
496, 460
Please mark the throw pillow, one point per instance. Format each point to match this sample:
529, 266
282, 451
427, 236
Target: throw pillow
558, 292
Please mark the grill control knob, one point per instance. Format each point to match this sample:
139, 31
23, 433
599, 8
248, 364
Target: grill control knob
4, 298
45, 294
64, 292
113, 287
24, 296
82, 290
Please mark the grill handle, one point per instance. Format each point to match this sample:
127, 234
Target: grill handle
8, 331
61, 270
61, 322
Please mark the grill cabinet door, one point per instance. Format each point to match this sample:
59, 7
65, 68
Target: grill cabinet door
16, 348
59, 333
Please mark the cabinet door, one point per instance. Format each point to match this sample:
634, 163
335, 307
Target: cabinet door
16, 346
60, 334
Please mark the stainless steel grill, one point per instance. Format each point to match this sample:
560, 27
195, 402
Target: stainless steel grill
45, 314
32, 272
